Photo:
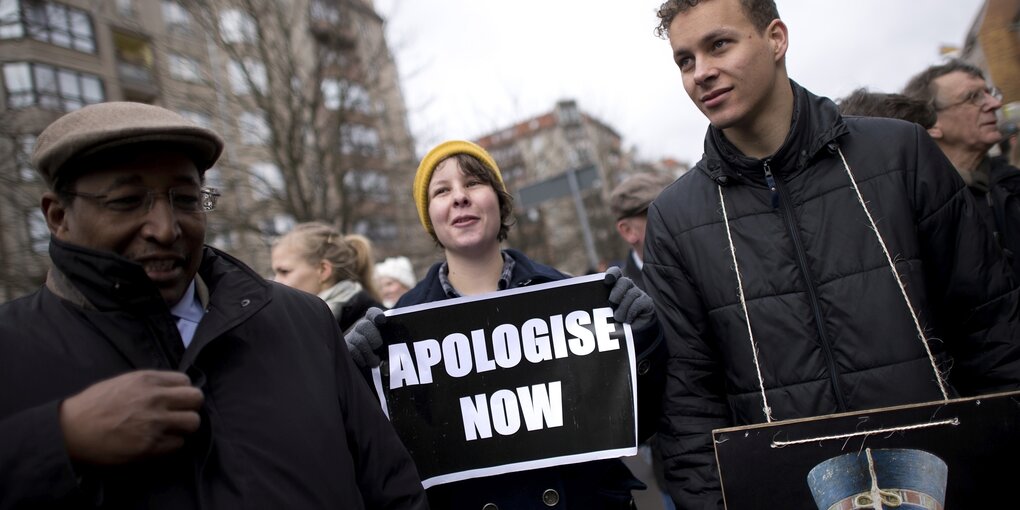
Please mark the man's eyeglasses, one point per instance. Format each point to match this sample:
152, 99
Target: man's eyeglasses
975, 97
185, 199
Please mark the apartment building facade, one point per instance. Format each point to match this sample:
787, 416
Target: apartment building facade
305, 93
534, 156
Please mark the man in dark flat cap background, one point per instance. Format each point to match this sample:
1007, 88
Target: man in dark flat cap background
152, 371
629, 203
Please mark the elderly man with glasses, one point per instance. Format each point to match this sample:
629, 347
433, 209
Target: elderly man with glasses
966, 128
152, 371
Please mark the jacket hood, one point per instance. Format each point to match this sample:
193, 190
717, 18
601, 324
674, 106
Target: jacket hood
816, 124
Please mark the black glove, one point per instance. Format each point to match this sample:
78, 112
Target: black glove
630, 304
364, 338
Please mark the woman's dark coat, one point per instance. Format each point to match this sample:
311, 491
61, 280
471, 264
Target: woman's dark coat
604, 484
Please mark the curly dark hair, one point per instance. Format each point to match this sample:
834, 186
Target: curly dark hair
760, 12
475, 168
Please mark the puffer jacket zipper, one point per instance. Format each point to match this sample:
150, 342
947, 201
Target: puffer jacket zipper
779, 196
770, 181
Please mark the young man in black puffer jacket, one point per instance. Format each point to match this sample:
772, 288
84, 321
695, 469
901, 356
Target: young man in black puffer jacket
776, 198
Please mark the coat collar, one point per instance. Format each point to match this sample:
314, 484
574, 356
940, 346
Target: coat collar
526, 272
814, 127
105, 282
99, 280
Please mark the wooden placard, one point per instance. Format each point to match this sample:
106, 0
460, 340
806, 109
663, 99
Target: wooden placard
765, 466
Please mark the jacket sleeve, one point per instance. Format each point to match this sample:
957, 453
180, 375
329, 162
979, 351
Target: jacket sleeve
34, 467
694, 401
387, 477
973, 293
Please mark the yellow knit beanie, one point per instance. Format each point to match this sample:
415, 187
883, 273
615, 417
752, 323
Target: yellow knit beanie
428, 165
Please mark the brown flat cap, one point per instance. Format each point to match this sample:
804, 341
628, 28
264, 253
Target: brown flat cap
633, 196
96, 128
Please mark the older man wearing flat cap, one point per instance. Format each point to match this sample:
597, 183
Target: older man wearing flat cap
152, 371
629, 203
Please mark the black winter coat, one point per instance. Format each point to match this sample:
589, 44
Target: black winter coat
1001, 203
355, 308
286, 421
831, 325
597, 485
632, 271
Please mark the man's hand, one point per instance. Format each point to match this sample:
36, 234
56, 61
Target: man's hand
630, 304
364, 338
130, 417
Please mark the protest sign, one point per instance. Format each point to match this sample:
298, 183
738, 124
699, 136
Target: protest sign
767, 466
509, 381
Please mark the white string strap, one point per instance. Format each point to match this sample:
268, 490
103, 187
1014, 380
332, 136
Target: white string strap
888, 430
743, 305
939, 378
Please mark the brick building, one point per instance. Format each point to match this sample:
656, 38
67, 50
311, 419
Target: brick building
543, 150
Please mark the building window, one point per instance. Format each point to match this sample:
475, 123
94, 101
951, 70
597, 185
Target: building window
360, 139
254, 128
175, 16
514, 175
323, 11
347, 95
30, 84
281, 223
276, 225
369, 184
26, 172
221, 241
331, 57
10, 20
240, 75
376, 228
198, 118
184, 68
266, 180
38, 232
49, 22
126, 8
331, 94
237, 27
568, 113
213, 178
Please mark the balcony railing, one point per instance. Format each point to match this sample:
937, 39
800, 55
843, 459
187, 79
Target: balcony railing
137, 81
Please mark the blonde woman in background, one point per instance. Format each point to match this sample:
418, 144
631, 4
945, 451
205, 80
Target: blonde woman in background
318, 259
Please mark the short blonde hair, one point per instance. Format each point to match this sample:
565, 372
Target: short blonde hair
350, 256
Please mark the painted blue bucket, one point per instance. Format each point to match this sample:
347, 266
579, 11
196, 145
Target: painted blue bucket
907, 479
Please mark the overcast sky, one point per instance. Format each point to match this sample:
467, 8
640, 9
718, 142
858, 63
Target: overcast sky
469, 67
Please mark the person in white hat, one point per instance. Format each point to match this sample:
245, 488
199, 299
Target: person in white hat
394, 276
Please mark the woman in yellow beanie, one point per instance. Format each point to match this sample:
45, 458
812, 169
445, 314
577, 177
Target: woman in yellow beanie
464, 205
